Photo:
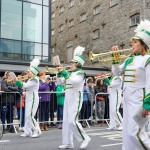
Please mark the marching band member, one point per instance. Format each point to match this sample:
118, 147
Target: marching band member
31, 87
136, 89
74, 81
115, 98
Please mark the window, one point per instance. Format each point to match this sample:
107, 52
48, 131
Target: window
61, 9
46, 2
134, 20
97, 10
60, 28
35, 1
53, 15
31, 50
96, 34
113, 2
69, 51
32, 22
11, 19
45, 25
71, 23
71, 3
52, 32
10, 49
53, 1
83, 17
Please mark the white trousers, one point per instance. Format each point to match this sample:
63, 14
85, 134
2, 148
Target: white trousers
134, 138
30, 111
71, 126
114, 104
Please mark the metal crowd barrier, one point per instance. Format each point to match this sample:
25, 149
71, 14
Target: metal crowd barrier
52, 115
7, 108
53, 111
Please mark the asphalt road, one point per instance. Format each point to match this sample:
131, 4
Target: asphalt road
101, 139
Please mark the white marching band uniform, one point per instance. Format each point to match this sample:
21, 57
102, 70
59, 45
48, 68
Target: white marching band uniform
31, 105
136, 86
31, 88
74, 81
115, 99
72, 106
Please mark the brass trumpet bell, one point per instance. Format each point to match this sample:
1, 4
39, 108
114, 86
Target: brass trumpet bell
51, 70
103, 57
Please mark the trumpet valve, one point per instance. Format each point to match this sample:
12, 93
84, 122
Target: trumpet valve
116, 56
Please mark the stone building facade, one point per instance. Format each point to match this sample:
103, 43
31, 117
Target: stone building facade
96, 25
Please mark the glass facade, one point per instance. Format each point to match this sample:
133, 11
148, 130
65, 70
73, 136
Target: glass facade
24, 30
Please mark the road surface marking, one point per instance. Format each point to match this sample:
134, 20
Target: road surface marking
4, 141
111, 145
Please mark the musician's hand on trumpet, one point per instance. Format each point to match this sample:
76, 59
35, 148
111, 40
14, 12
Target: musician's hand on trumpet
114, 48
22, 77
60, 68
104, 76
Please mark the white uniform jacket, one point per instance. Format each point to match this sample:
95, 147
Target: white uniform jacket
136, 91
72, 105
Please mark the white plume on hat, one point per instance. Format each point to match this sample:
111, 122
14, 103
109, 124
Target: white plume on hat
144, 25
78, 55
143, 32
79, 50
34, 66
35, 62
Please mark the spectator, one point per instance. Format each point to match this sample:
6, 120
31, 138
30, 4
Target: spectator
44, 99
53, 103
60, 93
8, 99
91, 99
84, 108
100, 98
21, 98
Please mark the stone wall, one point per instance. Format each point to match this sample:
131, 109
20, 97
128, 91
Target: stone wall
113, 22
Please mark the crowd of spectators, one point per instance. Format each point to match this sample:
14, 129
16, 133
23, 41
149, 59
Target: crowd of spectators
51, 101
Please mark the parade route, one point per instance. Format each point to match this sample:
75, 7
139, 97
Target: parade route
101, 139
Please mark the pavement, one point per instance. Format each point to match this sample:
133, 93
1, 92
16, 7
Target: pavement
101, 139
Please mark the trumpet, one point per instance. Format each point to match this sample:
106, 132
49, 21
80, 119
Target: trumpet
55, 69
101, 77
117, 54
9, 80
22, 77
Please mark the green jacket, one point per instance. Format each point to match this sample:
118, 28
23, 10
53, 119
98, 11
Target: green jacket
60, 95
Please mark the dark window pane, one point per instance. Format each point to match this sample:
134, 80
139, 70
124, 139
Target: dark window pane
31, 48
45, 59
32, 22
46, 2
35, 1
45, 50
45, 24
10, 49
11, 19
